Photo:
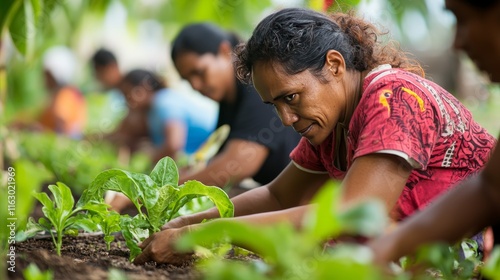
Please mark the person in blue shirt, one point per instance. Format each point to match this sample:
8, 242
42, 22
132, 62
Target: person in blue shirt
178, 123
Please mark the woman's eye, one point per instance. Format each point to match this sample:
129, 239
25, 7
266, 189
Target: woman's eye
289, 98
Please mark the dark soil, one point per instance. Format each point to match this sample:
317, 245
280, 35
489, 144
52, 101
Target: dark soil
86, 257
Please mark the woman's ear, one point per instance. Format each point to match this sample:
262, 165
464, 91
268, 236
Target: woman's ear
225, 49
334, 63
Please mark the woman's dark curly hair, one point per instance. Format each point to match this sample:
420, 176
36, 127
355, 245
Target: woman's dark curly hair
298, 39
482, 4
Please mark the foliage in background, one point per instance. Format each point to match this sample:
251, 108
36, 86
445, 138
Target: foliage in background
74, 162
159, 194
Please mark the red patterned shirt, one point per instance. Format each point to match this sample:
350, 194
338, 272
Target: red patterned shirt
406, 115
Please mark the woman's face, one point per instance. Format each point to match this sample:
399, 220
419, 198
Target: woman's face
311, 107
211, 75
477, 33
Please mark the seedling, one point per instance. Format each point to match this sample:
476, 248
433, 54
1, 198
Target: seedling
60, 216
159, 194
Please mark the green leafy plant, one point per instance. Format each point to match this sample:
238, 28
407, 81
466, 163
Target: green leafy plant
287, 253
32, 272
491, 268
76, 163
61, 217
109, 223
157, 193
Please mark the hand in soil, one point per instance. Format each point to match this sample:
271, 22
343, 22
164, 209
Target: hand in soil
159, 247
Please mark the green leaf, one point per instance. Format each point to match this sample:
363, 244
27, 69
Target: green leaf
134, 185
18, 28
45, 223
322, 221
367, 219
82, 222
8, 6
217, 195
491, 268
45, 200
160, 211
37, 7
134, 230
165, 172
63, 198
32, 272
32, 228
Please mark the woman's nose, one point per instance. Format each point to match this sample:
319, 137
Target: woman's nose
287, 116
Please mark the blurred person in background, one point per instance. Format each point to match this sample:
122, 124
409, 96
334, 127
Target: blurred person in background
131, 132
66, 112
177, 123
106, 69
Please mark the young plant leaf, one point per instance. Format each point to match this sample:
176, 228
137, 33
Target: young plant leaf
165, 172
322, 222
217, 195
137, 187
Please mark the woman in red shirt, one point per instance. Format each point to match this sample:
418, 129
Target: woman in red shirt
366, 116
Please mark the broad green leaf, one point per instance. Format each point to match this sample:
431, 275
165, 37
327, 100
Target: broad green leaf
344, 269
158, 214
216, 269
45, 200
322, 221
82, 222
37, 7
95, 207
63, 198
491, 268
134, 185
260, 240
134, 230
8, 6
45, 223
18, 28
31, 229
217, 195
32, 272
367, 219
165, 172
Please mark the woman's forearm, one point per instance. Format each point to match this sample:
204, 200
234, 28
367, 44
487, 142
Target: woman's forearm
255, 201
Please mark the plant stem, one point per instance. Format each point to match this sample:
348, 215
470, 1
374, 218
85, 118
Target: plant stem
59, 243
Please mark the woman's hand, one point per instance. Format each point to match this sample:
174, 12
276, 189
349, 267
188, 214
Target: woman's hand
159, 247
178, 222
117, 201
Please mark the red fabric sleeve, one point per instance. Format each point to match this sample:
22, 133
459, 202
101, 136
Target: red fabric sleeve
396, 115
306, 156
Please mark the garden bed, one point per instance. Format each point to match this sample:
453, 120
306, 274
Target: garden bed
86, 257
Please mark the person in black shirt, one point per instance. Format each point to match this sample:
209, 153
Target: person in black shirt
258, 145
